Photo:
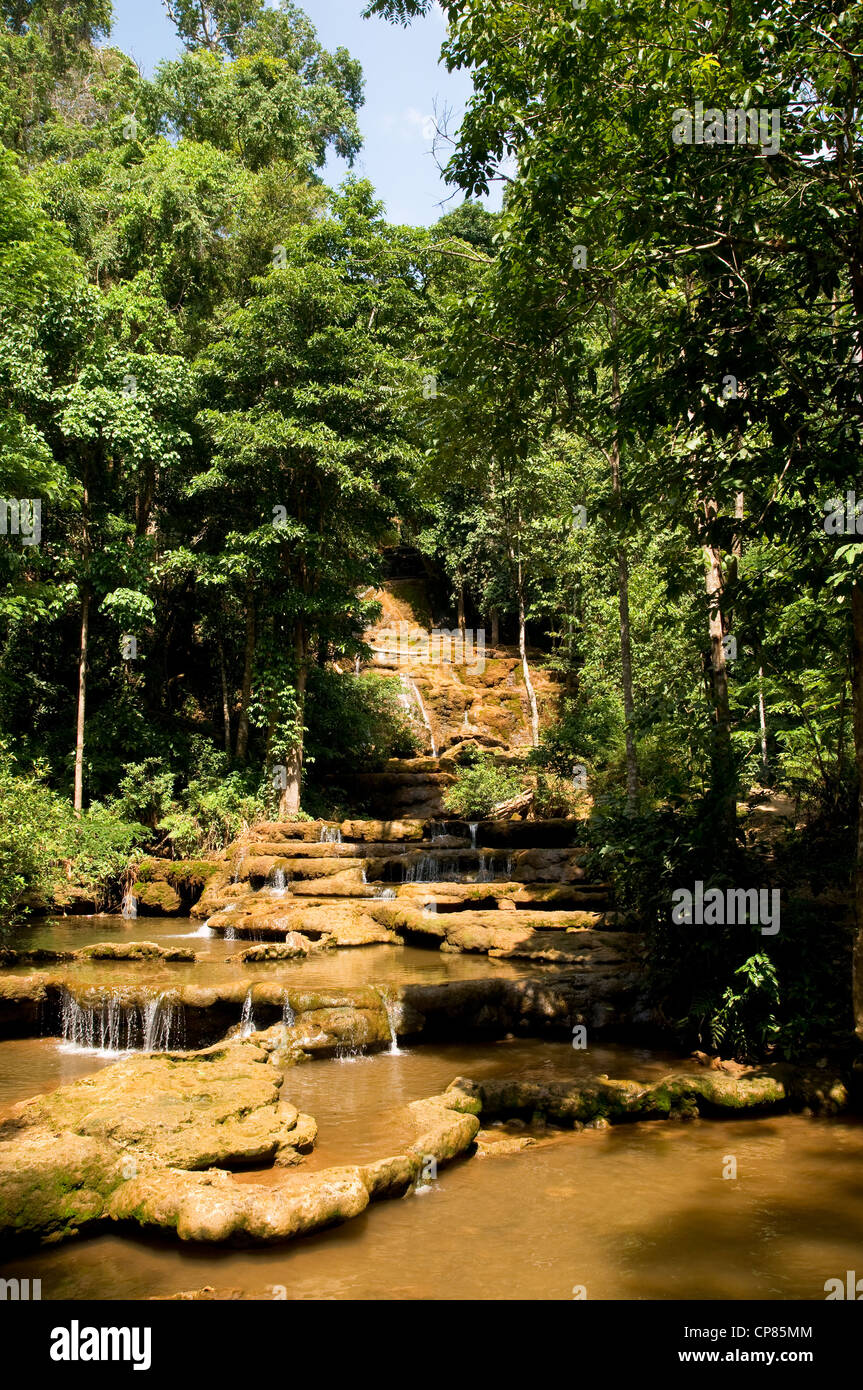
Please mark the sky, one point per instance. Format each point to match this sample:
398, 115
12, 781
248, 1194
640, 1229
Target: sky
405, 86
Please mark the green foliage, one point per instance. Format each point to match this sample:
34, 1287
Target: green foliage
481, 786
43, 844
357, 721
745, 1024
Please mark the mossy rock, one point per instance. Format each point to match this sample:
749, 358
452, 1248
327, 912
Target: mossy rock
158, 896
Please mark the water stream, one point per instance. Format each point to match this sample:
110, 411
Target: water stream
634, 1212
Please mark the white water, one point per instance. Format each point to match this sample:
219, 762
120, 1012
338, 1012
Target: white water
107, 1025
288, 1016
417, 698
473, 827
238, 864
390, 1006
330, 835
247, 1018
385, 893
204, 930
129, 909
280, 883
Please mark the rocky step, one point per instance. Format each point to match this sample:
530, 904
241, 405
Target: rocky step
554, 938
482, 834
453, 897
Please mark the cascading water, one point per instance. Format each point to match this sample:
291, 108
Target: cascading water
385, 893
289, 1018
247, 1018
129, 909
164, 1025
417, 699
203, 930
429, 869
473, 828
390, 1006
102, 1024
105, 1023
330, 835
280, 883
238, 864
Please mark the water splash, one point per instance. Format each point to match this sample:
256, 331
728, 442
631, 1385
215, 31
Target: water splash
203, 930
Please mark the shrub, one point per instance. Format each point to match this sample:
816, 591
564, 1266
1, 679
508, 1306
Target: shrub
480, 786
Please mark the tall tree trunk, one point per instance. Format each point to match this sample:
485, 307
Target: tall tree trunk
289, 802
78, 790
78, 801
762, 720
495, 628
623, 607
724, 782
248, 666
857, 690
462, 623
522, 648
226, 704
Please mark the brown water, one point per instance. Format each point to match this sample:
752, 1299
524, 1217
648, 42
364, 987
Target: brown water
635, 1212
347, 968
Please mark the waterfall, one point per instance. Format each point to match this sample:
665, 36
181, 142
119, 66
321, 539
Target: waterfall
247, 1018
280, 882
289, 1018
411, 685
330, 835
390, 1006
437, 830
365, 880
106, 1024
238, 864
385, 893
204, 930
428, 869
473, 827
164, 1024
130, 905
